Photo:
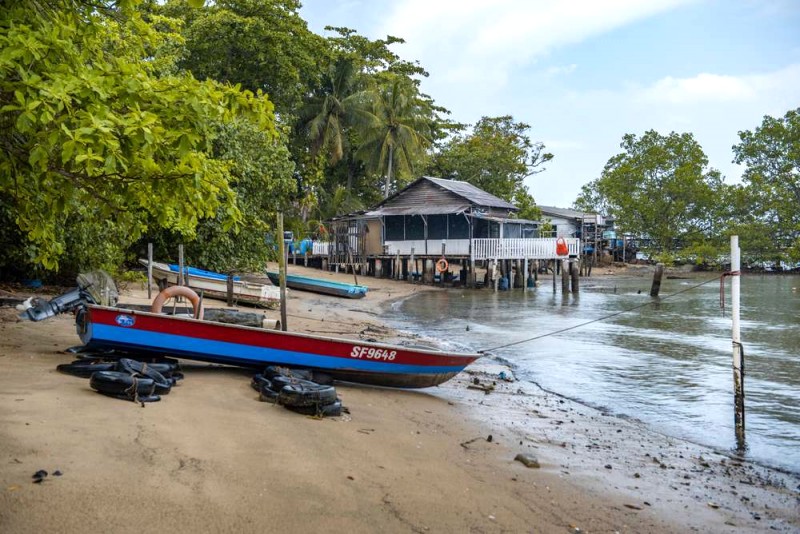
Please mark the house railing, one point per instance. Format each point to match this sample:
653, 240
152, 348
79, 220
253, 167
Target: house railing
533, 249
541, 248
320, 248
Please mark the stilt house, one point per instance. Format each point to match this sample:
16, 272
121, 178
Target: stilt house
434, 218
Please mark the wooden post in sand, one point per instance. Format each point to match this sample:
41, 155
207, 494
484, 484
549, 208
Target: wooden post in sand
282, 270
180, 265
229, 288
149, 270
738, 353
656, 287
412, 266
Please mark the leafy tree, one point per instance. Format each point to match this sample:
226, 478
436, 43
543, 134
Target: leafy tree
373, 57
497, 156
91, 133
397, 130
335, 106
660, 188
772, 185
259, 44
261, 175
590, 200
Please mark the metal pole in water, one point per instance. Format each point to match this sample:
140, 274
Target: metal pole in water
282, 270
738, 353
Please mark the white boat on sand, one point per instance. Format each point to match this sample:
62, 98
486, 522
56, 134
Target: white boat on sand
215, 285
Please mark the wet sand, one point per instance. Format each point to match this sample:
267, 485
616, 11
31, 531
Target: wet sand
210, 457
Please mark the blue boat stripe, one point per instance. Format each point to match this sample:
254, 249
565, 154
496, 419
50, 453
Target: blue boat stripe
144, 339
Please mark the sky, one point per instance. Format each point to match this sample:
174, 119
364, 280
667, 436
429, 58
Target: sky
583, 73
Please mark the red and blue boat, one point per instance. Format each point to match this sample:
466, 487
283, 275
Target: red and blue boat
103, 325
358, 361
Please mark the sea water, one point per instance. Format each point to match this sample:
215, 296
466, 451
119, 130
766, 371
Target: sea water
667, 363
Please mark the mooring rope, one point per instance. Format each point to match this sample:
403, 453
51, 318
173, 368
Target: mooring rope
603, 318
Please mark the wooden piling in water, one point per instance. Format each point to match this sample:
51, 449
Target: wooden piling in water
472, 275
656, 287
564, 277
525, 276
573, 269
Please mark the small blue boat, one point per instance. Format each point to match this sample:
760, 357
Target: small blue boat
317, 285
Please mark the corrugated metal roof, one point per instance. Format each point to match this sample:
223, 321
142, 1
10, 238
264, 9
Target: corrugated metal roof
464, 190
564, 212
473, 194
430, 209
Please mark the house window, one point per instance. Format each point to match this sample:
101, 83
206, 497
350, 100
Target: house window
512, 231
484, 229
415, 227
437, 226
529, 231
457, 227
394, 228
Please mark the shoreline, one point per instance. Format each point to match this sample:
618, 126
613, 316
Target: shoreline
418, 460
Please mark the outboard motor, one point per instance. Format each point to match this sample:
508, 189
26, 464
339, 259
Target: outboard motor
96, 287
44, 309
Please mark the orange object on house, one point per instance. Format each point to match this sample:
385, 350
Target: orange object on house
561, 247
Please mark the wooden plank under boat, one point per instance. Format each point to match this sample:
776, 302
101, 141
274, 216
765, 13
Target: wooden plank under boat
348, 360
318, 285
215, 285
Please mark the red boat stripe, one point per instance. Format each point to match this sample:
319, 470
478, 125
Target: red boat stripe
283, 341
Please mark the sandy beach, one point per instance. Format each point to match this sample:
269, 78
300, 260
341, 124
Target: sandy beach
210, 458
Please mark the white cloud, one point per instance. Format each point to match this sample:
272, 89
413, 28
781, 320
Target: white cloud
560, 70
476, 40
717, 88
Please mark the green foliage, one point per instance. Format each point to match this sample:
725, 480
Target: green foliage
332, 110
396, 131
262, 45
660, 188
93, 137
261, 176
373, 57
590, 200
771, 193
496, 156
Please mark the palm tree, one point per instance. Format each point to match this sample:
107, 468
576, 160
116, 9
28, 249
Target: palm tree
328, 114
397, 131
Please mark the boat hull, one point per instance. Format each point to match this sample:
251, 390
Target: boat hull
325, 287
348, 360
266, 296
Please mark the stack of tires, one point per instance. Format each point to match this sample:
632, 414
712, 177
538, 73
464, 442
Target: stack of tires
125, 378
297, 390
